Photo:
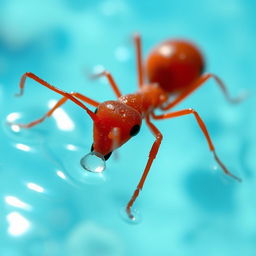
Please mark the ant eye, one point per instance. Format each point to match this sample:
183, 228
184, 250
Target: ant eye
96, 110
92, 148
107, 156
135, 130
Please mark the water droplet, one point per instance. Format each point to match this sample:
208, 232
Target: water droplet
134, 219
93, 162
110, 106
88, 170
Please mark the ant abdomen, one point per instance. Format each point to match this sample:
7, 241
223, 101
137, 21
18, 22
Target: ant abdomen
174, 65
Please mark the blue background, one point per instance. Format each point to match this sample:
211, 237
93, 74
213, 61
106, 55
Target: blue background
187, 207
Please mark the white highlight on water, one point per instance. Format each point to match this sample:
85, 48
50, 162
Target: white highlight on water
16, 202
23, 147
63, 121
17, 224
35, 187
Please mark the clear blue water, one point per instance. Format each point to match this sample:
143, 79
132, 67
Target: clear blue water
187, 207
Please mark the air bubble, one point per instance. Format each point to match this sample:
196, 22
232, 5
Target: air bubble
93, 162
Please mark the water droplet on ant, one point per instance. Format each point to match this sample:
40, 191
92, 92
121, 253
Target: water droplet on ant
110, 106
80, 169
93, 162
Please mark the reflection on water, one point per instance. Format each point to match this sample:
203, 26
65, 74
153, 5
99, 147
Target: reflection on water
16, 202
35, 187
18, 225
23, 147
63, 121
61, 174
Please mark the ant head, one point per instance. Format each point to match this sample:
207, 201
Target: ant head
116, 123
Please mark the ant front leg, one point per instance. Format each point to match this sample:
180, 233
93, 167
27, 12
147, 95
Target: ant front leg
140, 70
204, 130
152, 155
57, 105
110, 80
199, 82
74, 96
48, 114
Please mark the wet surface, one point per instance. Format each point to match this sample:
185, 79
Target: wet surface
51, 206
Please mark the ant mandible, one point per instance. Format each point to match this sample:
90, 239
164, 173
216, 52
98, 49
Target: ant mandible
173, 68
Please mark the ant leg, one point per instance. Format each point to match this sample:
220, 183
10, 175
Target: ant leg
57, 105
204, 130
201, 80
152, 156
70, 96
140, 70
48, 114
110, 80
85, 99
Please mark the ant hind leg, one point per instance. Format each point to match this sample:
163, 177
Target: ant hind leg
200, 82
205, 132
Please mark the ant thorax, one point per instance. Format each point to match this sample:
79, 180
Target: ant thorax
146, 99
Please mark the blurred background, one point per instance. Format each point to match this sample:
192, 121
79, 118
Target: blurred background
187, 207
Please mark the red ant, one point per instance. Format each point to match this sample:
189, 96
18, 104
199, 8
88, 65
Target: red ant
173, 68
